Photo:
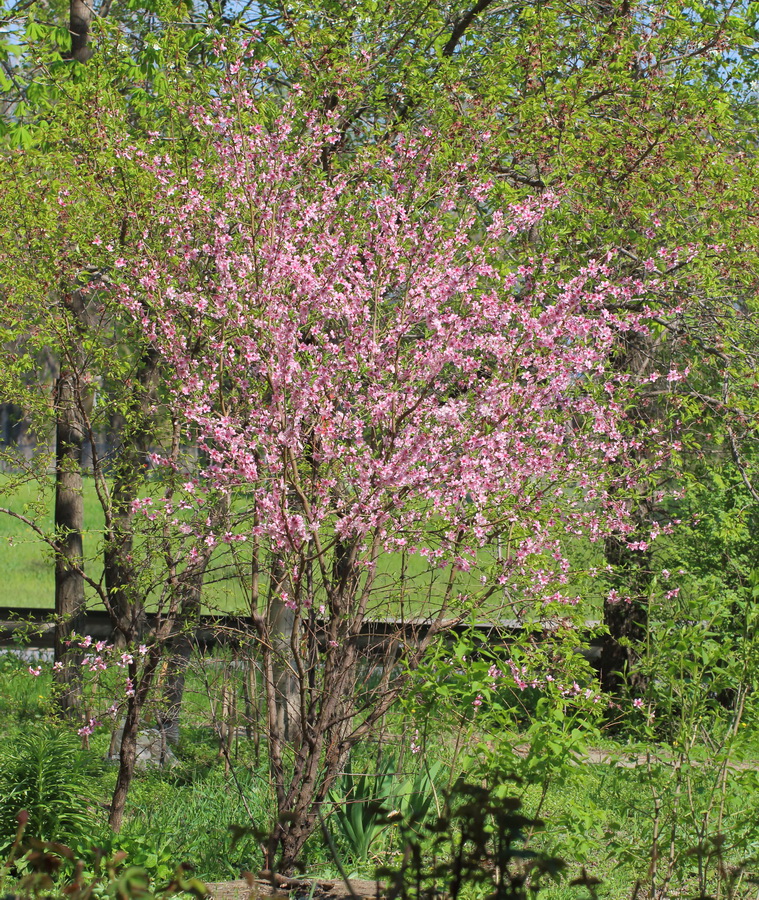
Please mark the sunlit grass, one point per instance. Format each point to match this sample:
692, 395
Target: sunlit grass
406, 586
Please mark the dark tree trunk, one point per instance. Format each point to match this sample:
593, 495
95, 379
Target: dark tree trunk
626, 619
127, 761
69, 443
80, 19
69, 522
118, 569
128, 474
128, 749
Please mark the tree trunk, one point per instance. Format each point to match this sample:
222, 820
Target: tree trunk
286, 688
128, 749
118, 570
69, 522
69, 441
80, 19
132, 434
168, 720
127, 760
627, 618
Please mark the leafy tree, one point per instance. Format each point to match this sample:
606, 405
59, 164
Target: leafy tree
609, 131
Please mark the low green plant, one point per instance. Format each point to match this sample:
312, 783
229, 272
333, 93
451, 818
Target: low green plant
172, 821
414, 798
696, 721
45, 773
49, 868
23, 700
146, 849
367, 804
360, 806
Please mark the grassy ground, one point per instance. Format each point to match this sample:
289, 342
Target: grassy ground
27, 565
599, 817
27, 562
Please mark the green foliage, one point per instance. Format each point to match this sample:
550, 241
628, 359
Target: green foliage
146, 849
557, 739
44, 773
415, 798
51, 866
23, 700
359, 806
475, 848
713, 556
172, 822
697, 723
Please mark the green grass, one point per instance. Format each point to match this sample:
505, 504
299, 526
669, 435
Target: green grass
25, 560
598, 817
27, 565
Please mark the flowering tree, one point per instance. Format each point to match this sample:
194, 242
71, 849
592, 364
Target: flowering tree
383, 383
400, 382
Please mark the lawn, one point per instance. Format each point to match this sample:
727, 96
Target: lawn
27, 564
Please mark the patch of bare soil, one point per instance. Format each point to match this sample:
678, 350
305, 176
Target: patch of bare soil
296, 889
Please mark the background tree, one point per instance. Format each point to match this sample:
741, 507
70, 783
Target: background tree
625, 119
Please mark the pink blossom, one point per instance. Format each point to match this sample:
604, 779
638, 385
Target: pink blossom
89, 728
396, 367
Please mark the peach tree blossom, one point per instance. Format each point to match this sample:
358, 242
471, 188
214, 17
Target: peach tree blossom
380, 377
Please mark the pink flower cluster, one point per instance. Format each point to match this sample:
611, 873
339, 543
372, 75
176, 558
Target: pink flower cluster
374, 353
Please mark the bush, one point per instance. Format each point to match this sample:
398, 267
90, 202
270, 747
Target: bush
475, 848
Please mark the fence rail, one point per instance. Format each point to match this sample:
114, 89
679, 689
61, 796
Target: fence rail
34, 628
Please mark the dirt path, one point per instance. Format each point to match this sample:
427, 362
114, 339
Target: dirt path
296, 889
